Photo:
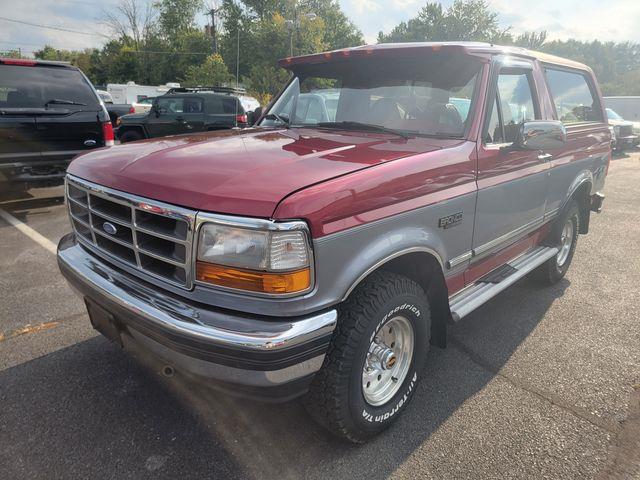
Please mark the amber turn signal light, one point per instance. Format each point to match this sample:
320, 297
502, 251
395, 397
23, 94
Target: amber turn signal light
264, 282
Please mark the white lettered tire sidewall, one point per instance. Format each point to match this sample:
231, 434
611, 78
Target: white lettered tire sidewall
375, 418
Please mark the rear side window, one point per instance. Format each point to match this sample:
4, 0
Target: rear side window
34, 86
219, 105
573, 97
229, 105
179, 105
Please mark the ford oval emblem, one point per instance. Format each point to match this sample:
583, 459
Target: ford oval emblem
90, 143
110, 228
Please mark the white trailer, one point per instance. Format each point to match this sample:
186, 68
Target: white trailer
627, 107
130, 92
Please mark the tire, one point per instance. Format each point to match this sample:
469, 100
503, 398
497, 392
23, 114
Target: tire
130, 136
337, 398
554, 269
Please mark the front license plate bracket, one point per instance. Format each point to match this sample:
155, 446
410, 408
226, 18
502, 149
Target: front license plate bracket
103, 321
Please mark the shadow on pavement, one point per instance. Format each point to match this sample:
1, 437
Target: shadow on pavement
26, 201
90, 411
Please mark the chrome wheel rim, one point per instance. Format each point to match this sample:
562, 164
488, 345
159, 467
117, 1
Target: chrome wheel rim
566, 239
388, 361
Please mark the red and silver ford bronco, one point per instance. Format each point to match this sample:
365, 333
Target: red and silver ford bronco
387, 191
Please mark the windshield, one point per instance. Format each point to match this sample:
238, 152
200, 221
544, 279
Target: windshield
45, 87
429, 97
611, 115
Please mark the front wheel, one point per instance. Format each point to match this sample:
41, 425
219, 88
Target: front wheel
130, 136
371, 369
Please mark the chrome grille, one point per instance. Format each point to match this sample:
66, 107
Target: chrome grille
626, 130
153, 237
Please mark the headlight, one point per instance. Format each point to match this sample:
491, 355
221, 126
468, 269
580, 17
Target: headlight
274, 261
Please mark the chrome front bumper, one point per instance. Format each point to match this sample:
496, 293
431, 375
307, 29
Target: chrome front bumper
270, 358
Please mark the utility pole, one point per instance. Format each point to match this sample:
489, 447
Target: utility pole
214, 42
294, 25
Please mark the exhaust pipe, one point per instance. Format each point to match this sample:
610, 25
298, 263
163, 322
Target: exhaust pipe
168, 371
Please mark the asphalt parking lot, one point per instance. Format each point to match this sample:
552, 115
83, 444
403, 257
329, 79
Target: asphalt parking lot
539, 383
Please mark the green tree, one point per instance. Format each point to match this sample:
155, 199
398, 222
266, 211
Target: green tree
264, 9
116, 62
211, 72
267, 30
177, 16
339, 31
464, 20
14, 53
531, 40
82, 59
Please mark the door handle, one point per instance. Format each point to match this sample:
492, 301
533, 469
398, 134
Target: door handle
544, 156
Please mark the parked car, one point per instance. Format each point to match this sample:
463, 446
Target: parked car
325, 258
143, 105
625, 137
184, 111
115, 110
49, 112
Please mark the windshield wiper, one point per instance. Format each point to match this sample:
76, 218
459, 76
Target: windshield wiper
274, 116
347, 125
58, 101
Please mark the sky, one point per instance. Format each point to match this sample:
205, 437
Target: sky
617, 20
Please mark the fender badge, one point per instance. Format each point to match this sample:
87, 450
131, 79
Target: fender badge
110, 228
450, 220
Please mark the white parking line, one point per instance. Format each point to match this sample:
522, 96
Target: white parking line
28, 231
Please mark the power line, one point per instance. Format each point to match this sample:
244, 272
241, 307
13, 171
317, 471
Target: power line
51, 27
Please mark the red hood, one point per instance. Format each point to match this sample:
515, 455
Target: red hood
240, 172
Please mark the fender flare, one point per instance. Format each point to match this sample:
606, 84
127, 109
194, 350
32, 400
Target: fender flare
380, 263
585, 176
139, 128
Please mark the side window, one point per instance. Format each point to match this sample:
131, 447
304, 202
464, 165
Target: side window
229, 105
516, 103
513, 105
192, 105
170, 105
572, 96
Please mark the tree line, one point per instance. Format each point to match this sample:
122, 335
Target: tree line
160, 42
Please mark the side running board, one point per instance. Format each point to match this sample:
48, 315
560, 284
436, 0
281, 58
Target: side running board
486, 288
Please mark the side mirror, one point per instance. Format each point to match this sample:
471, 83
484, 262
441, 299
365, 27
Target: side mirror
541, 135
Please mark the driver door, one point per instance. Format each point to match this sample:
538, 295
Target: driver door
163, 118
512, 184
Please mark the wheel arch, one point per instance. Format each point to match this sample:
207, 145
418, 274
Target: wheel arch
581, 191
132, 128
424, 266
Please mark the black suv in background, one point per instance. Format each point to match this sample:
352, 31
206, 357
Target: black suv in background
49, 112
185, 110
